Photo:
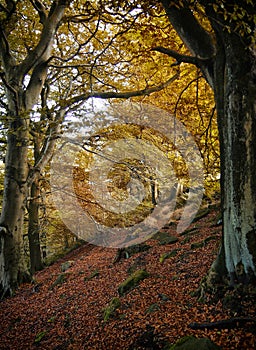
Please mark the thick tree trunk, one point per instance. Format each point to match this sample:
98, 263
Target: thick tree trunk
235, 93
229, 65
23, 82
12, 266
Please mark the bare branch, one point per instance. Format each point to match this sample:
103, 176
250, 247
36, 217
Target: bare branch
40, 9
41, 52
5, 54
10, 7
179, 57
3, 9
124, 95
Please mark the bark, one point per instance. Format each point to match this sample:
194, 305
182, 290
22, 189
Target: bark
34, 228
231, 72
17, 179
12, 268
236, 106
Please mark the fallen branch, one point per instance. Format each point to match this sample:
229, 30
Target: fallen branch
236, 322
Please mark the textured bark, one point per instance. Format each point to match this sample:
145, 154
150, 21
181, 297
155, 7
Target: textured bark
15, 189
17, 178
231, 71
237, 128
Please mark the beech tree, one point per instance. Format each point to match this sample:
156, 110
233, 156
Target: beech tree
225, 53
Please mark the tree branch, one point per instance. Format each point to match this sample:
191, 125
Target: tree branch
179, 57
124, 95
5, 54
194, 36
235, 322
40, 9
10, 7
3, 9
43, 49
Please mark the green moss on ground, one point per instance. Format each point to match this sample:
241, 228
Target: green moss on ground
111, 308
132, 281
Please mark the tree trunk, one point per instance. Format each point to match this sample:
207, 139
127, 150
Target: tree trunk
34, 228
12, 265
235, 94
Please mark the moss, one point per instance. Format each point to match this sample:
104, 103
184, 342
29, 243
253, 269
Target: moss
210, 238
59, 280
66, 265
132, 281
251, 243
202, 243
197, 245
61, 254
111, 308
40, 336
127, 252
201, 214
152, 308
94, 273
168, 255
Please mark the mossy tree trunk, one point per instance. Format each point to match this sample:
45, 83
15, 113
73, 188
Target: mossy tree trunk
23, 82
228, 62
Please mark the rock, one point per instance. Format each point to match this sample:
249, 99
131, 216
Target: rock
168, 255
197, 245
193, 343
66, 265
132, 281
94, 273
165, 238
127, 252
59, 280
111, 308
201, 214
152, 308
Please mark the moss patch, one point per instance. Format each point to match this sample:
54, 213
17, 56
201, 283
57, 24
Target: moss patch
59, 280
111, 308
132, 281
168, 255
94, 273
40, 336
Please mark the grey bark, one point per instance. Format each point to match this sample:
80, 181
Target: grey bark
20, 102
231, 71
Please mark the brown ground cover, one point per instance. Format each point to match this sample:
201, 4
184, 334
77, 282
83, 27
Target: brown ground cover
69, 315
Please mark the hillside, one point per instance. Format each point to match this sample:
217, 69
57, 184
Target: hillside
64, 307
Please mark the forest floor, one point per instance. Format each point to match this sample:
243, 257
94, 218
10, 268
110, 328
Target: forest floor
65, 309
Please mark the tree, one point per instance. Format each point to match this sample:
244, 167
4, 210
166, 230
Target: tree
20, 102
226, 55
43, 79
